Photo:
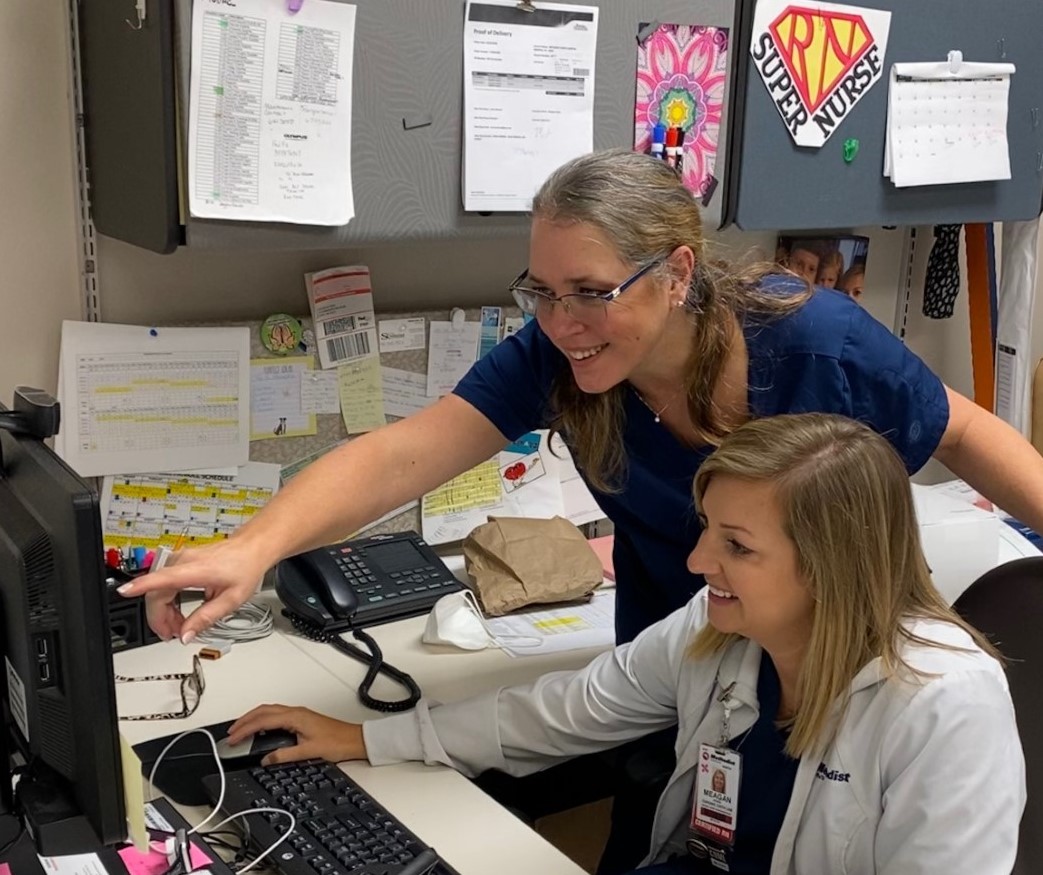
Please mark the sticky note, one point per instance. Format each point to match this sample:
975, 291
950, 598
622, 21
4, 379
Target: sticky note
155, 862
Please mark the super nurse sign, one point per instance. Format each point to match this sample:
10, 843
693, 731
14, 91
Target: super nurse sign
817, 61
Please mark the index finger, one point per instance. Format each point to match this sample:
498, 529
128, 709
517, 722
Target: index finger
259, 719
171, 578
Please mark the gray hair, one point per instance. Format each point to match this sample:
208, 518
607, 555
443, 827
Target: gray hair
637, 201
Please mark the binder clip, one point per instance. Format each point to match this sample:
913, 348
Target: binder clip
526, 6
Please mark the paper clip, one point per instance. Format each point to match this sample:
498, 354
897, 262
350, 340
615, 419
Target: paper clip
526, 6
955, 61
139, 8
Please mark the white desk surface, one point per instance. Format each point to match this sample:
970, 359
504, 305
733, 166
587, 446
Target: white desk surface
471, 832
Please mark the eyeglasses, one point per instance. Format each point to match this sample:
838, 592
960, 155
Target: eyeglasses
192, 685
583, 306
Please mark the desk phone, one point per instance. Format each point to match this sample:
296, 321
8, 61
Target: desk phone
364, 582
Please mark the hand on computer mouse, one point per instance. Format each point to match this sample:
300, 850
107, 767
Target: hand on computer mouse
318, 736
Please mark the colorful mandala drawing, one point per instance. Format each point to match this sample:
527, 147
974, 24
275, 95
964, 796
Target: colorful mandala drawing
681, 75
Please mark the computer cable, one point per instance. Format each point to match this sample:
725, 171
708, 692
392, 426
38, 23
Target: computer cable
223, 838
249, 622
221, 799
14, 841
273, 845
220, 770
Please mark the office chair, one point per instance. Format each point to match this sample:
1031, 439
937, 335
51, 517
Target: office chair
1006, 604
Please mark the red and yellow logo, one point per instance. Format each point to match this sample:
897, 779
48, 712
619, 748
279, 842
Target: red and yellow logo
819, 48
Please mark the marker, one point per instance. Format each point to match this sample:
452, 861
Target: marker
139, 557
671, 147
680, 149
658, 141
113, 558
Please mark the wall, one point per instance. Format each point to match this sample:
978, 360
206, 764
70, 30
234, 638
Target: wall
140, 287
40, 282
38, 242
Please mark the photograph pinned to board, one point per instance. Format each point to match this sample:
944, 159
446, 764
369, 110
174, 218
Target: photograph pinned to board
834, 262
818, 62
682, 70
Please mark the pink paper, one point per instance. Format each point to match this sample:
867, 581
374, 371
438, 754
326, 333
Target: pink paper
154, 862
681, 74
603, 548
5, 869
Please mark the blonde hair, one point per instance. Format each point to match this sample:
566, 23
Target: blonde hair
847, 507
641, 206
856, 269
833, 258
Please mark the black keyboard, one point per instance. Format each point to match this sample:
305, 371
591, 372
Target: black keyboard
340, 829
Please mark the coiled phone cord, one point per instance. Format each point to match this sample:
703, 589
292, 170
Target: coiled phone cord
374, 662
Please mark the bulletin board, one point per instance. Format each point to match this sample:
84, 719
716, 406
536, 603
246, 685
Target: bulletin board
409, 63
776, 184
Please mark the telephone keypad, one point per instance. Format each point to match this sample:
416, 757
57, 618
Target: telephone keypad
377, 588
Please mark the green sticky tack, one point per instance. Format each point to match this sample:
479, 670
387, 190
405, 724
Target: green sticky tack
850, 149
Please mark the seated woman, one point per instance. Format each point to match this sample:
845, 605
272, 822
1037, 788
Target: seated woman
834, 714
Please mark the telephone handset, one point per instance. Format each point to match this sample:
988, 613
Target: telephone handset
314, 589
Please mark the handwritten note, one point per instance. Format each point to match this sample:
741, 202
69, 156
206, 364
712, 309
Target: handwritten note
405, 392
320, 392
361, 395
453, 349
275, 398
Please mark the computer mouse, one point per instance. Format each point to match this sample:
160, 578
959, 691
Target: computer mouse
256, 746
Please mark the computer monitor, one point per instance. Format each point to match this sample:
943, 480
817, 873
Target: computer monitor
59, 697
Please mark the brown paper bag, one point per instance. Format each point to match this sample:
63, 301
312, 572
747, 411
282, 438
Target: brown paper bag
517, 561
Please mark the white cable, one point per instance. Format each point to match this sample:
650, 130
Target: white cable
220, 771
271, 847
221, 799
248, 622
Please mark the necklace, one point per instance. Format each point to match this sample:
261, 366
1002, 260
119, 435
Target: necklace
656, 414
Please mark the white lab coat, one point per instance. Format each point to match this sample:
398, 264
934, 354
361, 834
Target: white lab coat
925, 775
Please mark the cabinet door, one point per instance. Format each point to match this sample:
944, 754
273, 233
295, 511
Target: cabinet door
130, 126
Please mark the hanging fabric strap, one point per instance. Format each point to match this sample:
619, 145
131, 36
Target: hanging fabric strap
979, 296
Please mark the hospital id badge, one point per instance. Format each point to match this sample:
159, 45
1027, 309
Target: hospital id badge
716, 803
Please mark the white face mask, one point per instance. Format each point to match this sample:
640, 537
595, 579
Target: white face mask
457, 620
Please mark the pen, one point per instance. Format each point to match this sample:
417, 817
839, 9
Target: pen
181, 539
680, 149
671, 147
658, 139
